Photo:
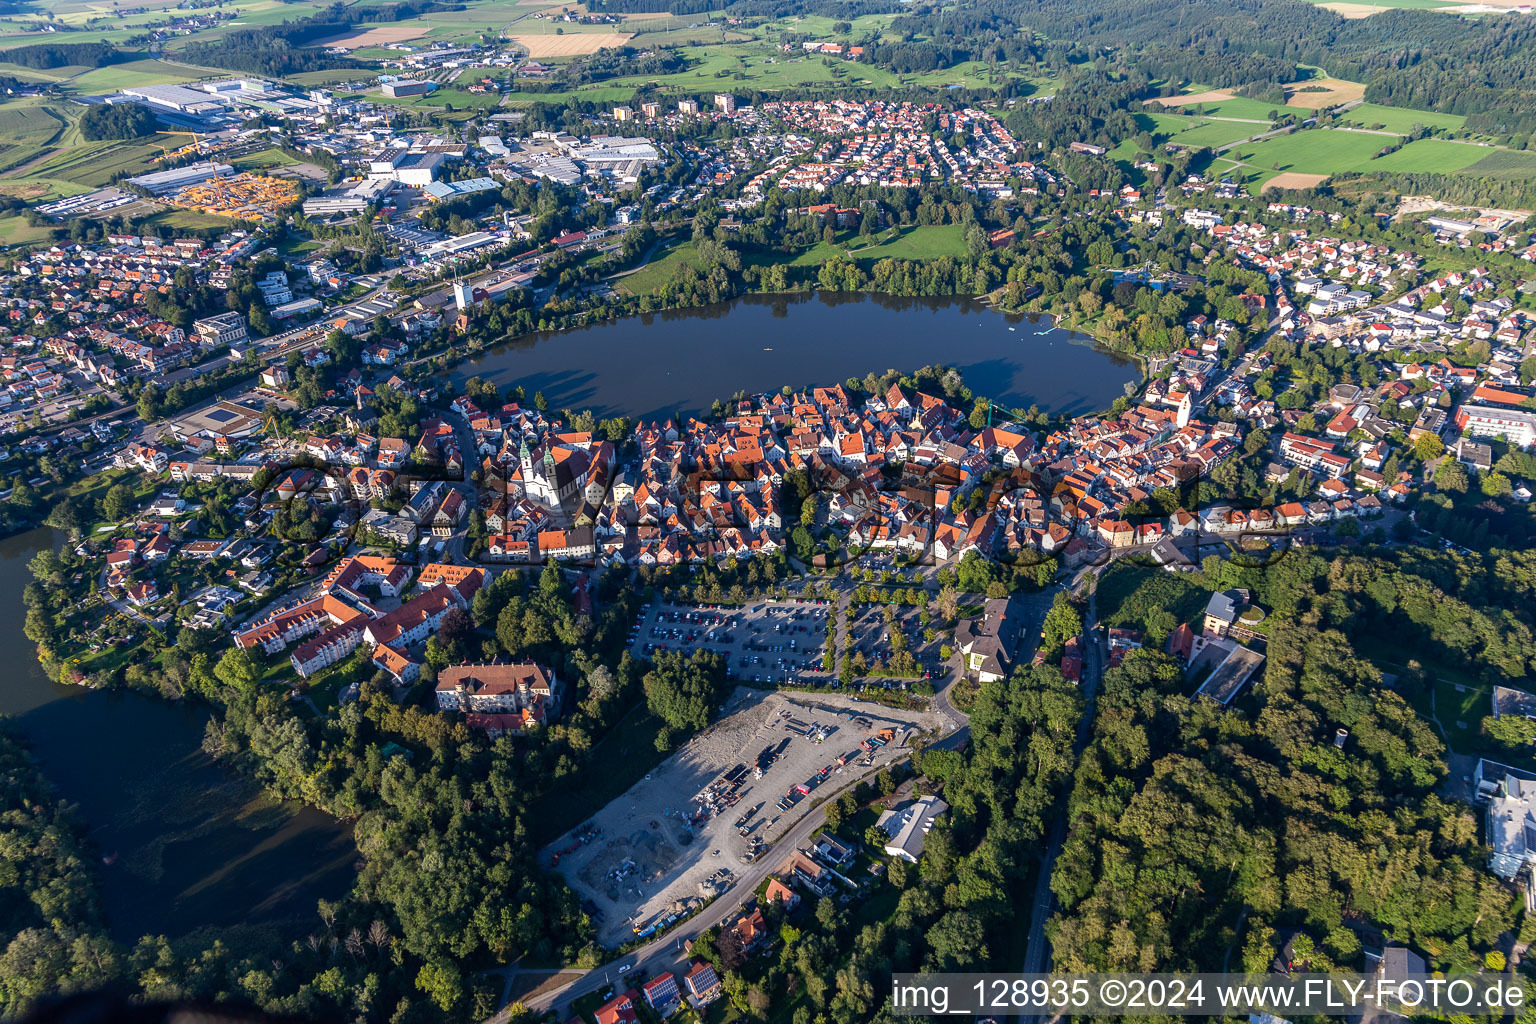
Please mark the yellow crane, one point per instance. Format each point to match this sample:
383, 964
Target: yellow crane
196, 142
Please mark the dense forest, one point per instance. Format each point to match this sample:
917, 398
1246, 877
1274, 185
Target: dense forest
1204, 837
446, 821
288, 48
59, 55
1484, 68
116, 121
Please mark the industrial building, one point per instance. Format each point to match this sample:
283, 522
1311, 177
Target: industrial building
161, 182
403, 88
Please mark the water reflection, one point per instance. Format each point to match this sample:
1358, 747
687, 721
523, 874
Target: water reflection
677, 362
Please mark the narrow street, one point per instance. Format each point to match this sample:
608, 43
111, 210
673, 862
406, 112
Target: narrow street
1037, 957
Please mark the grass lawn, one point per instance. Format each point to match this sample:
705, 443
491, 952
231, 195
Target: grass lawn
926, 242
1128, 592
263, 160
659, 271
1431, 155
16, 231
1400, 119
907, 243
599, 94
189, 220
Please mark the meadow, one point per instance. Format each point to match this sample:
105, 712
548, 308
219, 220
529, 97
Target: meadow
1504, 163
1400, 119
1324, 151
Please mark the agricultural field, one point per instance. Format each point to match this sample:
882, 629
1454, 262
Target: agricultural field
88, 165
1194, 132
1309, 152
1430, 155
1366, 8
570, 44
1315, 93
1400, 119
1334, 152
28, 126
117, 77
95, 21
1504, 163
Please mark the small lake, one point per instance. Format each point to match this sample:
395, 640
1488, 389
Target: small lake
679, 362
191, 844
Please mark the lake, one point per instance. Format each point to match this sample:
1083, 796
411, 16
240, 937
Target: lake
191, 844
679, 362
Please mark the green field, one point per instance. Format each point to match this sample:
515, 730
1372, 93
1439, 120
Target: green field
16, 231
1504, 163
1246, 109
260, 161
92, 164
907, 243
1400, 119
658, 272
188, 220
1430, 155
459, 99
911, 243
1195, 132
137, 72
27, 127
1311, 152
1334, 152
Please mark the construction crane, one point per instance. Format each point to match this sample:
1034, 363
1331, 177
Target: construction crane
196, 142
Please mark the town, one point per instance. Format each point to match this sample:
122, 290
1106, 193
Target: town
619, 513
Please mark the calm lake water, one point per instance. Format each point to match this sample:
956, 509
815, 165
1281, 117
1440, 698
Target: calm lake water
681, 361
194, 844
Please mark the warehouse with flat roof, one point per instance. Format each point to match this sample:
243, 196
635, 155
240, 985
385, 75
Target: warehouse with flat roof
161, 182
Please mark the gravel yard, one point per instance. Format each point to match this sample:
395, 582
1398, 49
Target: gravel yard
672, 841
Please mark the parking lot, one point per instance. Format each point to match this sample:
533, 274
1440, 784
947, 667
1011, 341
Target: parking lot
682, 834
763, 642
870, 636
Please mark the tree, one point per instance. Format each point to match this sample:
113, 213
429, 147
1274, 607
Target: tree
238, 670
1428, 446
1062, 623
118, 502
442, 983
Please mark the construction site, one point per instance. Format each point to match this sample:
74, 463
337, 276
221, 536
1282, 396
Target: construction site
241, 197
686, 832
